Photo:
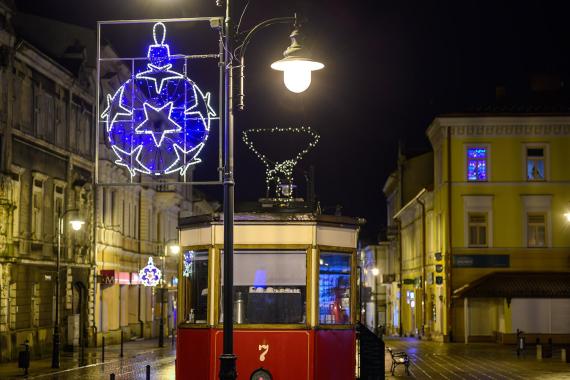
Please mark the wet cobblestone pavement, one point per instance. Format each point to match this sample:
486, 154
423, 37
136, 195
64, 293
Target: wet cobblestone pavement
431, 360
137, 355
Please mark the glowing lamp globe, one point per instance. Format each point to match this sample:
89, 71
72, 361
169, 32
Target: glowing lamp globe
375, 271
76, 224
296, 72
567, 215
174, 249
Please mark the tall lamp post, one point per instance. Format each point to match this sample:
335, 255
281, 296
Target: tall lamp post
174, 249
76, 225
297, 67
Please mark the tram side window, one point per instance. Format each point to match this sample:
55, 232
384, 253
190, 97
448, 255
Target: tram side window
334, 288
195, 277
269, 287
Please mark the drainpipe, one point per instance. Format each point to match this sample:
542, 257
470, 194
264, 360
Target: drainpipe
141, 323
423, 282
401, 279
448, 253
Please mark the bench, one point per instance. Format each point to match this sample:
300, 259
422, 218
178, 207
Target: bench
399, 358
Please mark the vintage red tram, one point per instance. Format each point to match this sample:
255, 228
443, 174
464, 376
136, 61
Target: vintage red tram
294, 296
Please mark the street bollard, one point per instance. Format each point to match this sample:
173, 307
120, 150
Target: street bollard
103, 349
520, 342
122, 343
563, 355
538, 349
148, 372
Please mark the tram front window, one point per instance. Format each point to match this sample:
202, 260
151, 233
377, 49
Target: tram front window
334, 288
195, 286
269, 287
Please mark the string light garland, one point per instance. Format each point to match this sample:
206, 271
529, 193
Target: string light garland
158, 121
280, 173
150, 275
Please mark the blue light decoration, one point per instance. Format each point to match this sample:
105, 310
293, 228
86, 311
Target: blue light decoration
150, 275
188, 260
477, 164
158, 121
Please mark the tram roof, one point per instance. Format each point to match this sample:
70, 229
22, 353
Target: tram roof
271, 218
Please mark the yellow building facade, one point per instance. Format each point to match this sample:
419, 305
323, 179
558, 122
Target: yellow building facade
499, 241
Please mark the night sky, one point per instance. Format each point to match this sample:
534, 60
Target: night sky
391, 67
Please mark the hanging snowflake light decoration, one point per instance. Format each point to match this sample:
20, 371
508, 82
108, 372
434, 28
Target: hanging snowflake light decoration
280, 174
158, 121
150, 275
188, 259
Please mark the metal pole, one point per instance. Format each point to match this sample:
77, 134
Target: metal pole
228, 359
161, 300
56, 336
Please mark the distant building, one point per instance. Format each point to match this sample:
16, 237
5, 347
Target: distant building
47, 154
501, 190
47, 163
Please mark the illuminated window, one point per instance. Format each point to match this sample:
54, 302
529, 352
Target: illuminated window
535, 164
477, 229
269, 287
477, 168
536, 229
195, 287
334, 288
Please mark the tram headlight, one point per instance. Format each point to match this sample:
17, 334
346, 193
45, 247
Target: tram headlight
261, 374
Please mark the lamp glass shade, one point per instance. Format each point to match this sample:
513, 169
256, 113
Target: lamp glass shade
174, 249
375, 271
76, 224
567, 215
296, 72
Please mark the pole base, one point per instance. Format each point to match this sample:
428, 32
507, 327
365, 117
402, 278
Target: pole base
228, 367
55, 350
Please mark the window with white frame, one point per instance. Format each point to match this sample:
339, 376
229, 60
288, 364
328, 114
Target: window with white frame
58, 205
536, 229
37, 207
477, 163
477, 229
535, 163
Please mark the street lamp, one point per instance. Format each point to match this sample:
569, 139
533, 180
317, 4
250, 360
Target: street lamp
76, 225
294, 63
174, 249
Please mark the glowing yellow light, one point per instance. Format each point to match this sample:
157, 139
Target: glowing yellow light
296, 72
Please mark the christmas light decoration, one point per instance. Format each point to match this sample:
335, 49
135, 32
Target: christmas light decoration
280, 173
158, 121
150, 275
188, 259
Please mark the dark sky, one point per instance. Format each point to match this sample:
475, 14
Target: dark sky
391, 66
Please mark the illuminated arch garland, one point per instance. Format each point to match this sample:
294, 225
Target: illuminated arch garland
158, 121
278, 173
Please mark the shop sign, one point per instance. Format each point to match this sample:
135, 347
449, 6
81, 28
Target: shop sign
124, 278
481, 261
107, 277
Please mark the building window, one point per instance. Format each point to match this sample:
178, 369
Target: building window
58, 193
536, 229
37, 208
477, 168
478, 229
535, 164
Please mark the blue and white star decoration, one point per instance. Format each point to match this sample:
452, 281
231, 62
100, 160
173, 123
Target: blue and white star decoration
150, 275
188, 259
157, 122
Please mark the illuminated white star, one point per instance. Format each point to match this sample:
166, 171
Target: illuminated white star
125, 159
184, 158
115, 108
159, 73
201, 106
157, 123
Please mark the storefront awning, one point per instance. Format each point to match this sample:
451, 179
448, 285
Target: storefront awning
517, 285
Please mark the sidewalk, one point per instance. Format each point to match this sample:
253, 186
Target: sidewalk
70, 360
432, 360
